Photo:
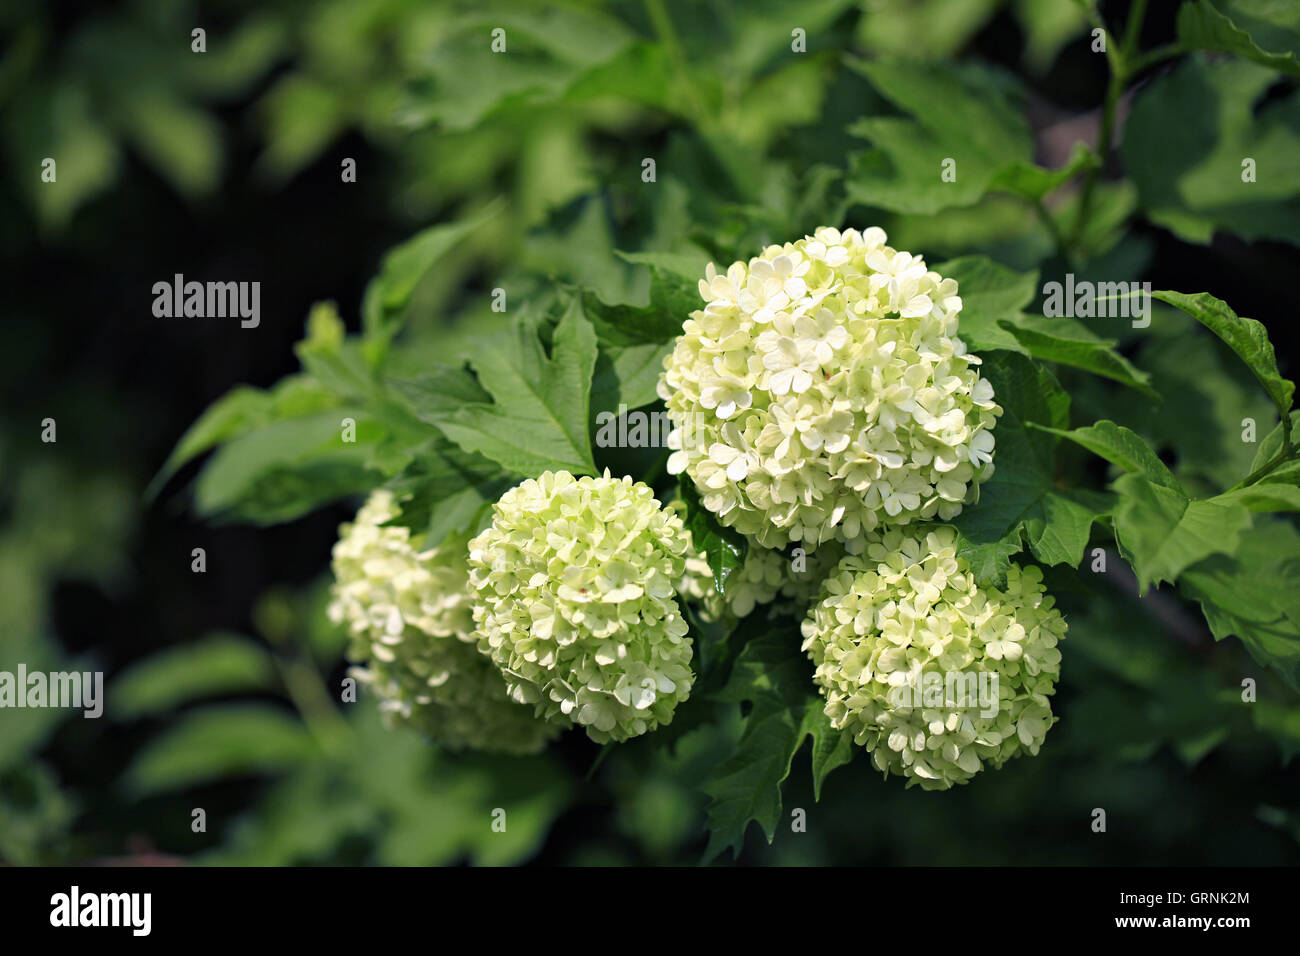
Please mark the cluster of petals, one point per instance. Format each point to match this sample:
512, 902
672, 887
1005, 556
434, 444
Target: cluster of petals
822, 392
574, 601
905, 618
406, 611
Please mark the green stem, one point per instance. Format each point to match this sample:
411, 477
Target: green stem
303, 683
1053, 228
1158, 55
705, 123
1262, 472
1119, 63
1133, 30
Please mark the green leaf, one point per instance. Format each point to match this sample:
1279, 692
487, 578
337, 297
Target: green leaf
1246, 337
924, 29
1161, 532
1264, 31
388, 296
976, 127
993, 298
182, 143
239, 411
445, 489
217, 742
1022, 499
1186, 143
538, 420
1033, 182
622, 325
674, 285
1271, 443
1254, 595
724, 547
990, 293
1265, 496
284, 469
774, 676
1070, 342
61, 122
627, 376
216, 664
1210, 394
327, 355
1048, 25
1123, 447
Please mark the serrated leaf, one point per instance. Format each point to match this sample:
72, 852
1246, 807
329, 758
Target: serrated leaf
1254, 595
216, 664
538, 419
1161, 532
1246, 337
1123, 447
725, 548
1069, 342
990, 292
774, 676
622, 325
218, 742
1022, 497
445, 489
991, 317
1264, 31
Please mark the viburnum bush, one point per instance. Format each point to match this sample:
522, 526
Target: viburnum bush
875, 471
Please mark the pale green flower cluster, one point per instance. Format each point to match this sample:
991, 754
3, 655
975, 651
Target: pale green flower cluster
574, 602
822, 391
908, 607
407, 614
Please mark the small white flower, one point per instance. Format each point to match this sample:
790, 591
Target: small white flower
791, 366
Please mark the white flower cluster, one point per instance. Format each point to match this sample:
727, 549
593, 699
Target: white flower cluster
833, 391
906, 615
574, 602
407, 613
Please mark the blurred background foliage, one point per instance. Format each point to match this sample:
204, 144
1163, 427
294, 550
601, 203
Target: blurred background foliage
222, 685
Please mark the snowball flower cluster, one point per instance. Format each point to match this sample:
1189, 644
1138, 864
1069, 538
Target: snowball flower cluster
933, 675
822, 391
407, 613
574, 602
